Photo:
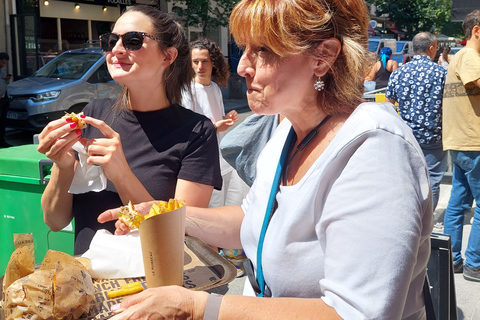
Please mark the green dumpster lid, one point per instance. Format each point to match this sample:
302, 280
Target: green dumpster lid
24, 161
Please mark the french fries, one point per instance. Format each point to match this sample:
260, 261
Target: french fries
129, 288
76, 118
164, 206
133, 218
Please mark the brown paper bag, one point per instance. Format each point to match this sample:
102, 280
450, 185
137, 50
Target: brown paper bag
24, 240
74, 291
162, 239
19, 265
60, 289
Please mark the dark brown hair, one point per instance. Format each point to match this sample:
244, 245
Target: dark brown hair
220, 71
169, 33
471, 20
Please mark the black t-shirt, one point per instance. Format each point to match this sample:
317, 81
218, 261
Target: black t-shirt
160, 147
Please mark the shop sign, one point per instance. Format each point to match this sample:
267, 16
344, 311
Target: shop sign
390, 25
105, 2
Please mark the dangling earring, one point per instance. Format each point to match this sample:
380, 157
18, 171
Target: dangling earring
319, 84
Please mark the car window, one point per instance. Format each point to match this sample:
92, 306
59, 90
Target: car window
68, 66
100, 75
372, 45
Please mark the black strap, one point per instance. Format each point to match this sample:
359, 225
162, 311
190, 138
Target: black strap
428, 300
248, 267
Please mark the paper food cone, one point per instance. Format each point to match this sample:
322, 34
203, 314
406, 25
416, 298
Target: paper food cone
162, 238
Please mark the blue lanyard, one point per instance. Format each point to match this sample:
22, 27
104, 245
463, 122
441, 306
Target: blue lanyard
269, 211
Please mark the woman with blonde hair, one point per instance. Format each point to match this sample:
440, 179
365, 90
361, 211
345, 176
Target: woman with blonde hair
337, 222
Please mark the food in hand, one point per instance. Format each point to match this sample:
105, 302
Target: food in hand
130, 216
76, 118
126, 289
133, 218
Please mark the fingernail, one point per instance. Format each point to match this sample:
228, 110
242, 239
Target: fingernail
116, 308
68, 119
78, 132
83, 116
73, 125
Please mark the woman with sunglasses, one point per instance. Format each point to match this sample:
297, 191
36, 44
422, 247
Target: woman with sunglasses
148, 146
337, 223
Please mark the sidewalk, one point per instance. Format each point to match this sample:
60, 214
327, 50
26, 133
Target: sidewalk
467, 292
240, 105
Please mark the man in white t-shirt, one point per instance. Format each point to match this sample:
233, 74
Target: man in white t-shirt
206, 98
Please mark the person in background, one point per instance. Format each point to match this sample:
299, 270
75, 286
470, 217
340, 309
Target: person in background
461, 135
418, 89
4, 102
444, 58
243, 144
148, 146
206, 98
337, 223
382, 69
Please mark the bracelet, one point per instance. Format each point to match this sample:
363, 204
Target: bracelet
212, 308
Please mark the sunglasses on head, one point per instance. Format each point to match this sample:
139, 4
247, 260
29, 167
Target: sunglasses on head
131, 41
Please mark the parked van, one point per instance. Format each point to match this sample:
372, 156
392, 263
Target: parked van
65, 84
375, 44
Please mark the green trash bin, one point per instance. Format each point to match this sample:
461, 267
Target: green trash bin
24, 173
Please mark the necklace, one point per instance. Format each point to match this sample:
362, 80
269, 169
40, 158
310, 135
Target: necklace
303, 144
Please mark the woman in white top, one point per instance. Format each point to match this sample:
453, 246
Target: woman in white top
337, 223
444, 59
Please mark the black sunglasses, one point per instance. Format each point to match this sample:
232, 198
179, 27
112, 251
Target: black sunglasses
131, 41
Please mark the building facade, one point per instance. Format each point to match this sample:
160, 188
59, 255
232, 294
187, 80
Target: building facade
35, 31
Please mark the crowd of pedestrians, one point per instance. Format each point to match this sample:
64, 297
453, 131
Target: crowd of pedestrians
441, 104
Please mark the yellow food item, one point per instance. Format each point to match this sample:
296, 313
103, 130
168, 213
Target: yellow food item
76, 118
133, 218
164, 206
126, 289
130, 217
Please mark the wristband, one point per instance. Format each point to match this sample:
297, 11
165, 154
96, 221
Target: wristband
212, 308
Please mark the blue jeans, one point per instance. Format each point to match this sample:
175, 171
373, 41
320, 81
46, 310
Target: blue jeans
465, 188
437, 162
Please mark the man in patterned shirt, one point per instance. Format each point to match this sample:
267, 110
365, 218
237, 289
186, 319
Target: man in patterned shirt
461, 135
417, 86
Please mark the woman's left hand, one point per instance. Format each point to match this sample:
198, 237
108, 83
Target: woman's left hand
107, 152
171, 302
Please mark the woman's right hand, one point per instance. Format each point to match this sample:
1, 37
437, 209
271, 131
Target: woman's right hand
56, 141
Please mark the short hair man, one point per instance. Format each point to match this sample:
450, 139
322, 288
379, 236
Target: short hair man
4, 78
461, 135
417, 86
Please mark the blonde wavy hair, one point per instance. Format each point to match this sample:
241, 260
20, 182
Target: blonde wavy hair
291, 27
